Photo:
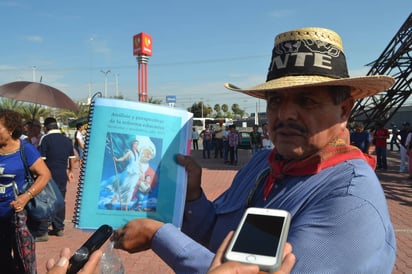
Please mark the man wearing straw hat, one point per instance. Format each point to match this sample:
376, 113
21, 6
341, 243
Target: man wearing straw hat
340, 220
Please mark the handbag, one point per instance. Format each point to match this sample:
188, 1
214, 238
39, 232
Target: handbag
45, 204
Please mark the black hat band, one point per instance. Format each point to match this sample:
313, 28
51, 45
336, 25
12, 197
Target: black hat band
307, 57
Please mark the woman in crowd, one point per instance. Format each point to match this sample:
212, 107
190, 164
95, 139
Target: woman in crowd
12, 172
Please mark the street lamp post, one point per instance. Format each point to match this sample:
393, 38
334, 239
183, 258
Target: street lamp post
90, 67
201, 105
34, 73
105, 81
117, 85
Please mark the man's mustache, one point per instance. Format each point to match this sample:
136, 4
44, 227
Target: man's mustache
282, 125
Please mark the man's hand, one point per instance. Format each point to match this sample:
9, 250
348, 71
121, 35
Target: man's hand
136, 235
220, 267
60, 267
194, 176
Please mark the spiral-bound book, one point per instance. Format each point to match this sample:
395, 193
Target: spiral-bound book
129, 168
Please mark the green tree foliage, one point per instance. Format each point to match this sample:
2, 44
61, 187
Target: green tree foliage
7, 103
219, 115
197, 109
31, 111
237, 110
225, 108
220, 111
34, 111
155, 101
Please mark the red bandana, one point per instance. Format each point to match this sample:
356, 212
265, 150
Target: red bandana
334, 153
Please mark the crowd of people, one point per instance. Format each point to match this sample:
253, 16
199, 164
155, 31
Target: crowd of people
223, 141
340, 219
377, 140
49, 154
58, 152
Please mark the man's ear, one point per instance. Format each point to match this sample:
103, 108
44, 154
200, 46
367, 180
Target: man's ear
346, 108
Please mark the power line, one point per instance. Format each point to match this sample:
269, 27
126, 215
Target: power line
120, 67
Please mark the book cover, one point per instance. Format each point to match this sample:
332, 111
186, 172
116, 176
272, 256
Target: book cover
129, 170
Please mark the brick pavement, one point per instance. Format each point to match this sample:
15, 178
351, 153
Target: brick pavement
216, 178
398, 191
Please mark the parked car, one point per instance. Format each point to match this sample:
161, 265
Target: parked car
244, 140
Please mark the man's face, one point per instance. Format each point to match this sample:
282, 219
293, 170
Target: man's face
301, 122
146, 155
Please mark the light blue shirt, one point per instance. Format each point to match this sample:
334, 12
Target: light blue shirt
340, 221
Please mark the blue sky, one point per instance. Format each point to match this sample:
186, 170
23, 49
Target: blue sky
197, 45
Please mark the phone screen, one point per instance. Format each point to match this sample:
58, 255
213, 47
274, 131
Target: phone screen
260, 234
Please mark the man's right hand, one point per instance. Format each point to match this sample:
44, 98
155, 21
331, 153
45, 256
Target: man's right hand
136, 235
194, 176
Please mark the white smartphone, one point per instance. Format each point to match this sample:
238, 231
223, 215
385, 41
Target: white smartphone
260, 238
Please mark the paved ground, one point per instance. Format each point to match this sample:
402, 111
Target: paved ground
216, 178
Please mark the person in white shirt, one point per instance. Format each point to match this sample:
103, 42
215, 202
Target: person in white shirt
195, 139
266, 142
408, 145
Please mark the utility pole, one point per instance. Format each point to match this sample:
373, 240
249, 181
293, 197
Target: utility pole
202, 105
117, 85
90, 67
34, 73
105, 81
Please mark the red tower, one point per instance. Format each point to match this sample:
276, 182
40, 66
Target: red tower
142, 49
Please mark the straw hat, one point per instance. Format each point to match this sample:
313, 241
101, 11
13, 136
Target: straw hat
311, 57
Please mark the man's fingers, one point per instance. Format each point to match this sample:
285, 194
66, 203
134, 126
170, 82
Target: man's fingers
287, 249
220, 252
92, 264
61, 265
287, 264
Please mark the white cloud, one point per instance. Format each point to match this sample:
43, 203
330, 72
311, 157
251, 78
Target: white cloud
33, 38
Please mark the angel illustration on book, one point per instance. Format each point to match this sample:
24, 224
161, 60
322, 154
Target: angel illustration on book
130, 185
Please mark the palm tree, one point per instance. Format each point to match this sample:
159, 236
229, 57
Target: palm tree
7, 103
34, 111
154, 101
28, 111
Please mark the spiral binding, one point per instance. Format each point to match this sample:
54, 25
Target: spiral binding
79, 193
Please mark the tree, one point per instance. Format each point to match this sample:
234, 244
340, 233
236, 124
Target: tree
235, 108
11, 104
117, 97
155, 101
65, 116
197, 109
237, 111
219, 115
217, 108
34, 111
28, 111
225, 108
209, 110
